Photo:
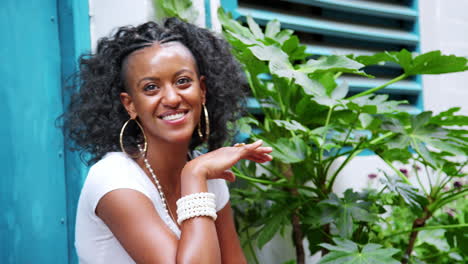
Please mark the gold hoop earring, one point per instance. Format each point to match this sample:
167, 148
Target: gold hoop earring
207, 126
121, 139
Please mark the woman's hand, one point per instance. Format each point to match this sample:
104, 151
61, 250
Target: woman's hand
201, 232
216, 164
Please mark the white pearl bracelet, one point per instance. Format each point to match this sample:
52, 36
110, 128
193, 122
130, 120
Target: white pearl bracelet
196, 204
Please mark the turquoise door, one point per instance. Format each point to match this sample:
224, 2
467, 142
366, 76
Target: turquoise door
37, 196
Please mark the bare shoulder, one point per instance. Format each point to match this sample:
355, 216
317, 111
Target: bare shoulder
132, 218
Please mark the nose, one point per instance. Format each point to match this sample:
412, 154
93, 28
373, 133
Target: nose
171, 97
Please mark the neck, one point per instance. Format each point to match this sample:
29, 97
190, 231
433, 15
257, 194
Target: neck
167, 160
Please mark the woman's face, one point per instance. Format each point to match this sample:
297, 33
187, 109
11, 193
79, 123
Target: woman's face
165, 91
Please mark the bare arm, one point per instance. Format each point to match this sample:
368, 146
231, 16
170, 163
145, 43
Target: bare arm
210, 166
231, 250
131, 217
198, 241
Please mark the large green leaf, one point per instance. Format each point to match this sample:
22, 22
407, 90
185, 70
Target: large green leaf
232, 25
291, 125
433, 62
284, 35
410, 194
448, 118
269, 53
243, 124
278, 63
335, 97
334, 63
420, 134
256, 30
288, 150
269, 230
346, 251
245, 40
393, 154
292, 47
373, 104
182, 9
346, 211
281, 67
272, 28
458, 237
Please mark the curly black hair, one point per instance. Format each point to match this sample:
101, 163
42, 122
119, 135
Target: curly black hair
95, 114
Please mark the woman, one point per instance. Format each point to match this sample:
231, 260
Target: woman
147, 98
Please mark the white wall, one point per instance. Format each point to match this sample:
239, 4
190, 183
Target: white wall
107, 15
444, 26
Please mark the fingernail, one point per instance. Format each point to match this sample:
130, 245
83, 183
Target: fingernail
261, 141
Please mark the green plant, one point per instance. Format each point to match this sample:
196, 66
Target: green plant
311, 123
182, 9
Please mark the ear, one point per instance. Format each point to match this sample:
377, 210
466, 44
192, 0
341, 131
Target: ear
203, 88
127, 102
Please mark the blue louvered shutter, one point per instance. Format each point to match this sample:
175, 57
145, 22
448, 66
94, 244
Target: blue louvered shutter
349, 26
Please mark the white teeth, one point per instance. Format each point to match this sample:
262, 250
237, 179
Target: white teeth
173, 117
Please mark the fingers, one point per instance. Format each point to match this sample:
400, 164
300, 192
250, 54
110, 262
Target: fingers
264, 150
254, 145
228, 176
260, 158
255, 152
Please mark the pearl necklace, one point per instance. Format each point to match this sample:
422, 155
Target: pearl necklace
159, 190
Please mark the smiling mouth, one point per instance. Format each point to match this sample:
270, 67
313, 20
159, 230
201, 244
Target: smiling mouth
173, 116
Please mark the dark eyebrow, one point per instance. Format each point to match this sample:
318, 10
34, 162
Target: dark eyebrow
157, 79
147, 79
183, 70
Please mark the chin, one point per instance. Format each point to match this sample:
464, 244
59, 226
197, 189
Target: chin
179, 139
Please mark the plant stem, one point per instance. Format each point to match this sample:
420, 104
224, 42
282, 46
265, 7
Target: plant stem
251, 247
326, 231
420, 183
447, 179
335, 174
398, 172
418, 223
382, 137
282, 106
327, 121
297, 237
440, 186
245, 177
338, 74
416, 148
351, 128
356, 152
381, 191
266, 182
428, 228
373, 90
428, 178
295, 220
327, 166
445, 200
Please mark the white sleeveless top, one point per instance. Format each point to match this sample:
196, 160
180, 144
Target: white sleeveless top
94, 242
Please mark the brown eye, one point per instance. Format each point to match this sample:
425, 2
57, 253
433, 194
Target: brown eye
183, 81
150, 87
